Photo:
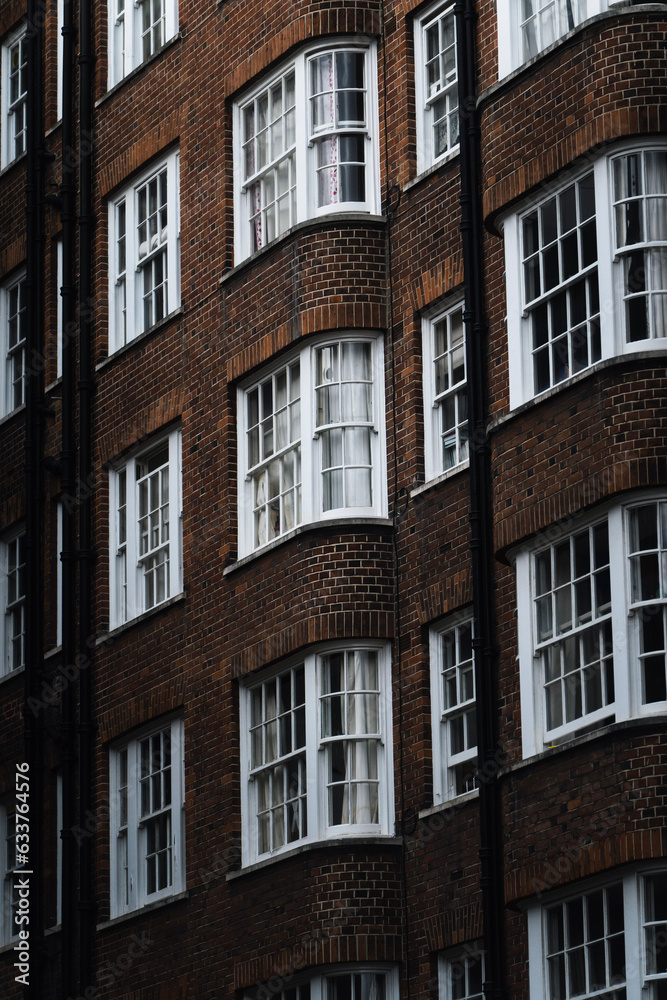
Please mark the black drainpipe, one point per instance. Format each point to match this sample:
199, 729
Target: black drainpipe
481, 523
86, 555
34, 403
69, 495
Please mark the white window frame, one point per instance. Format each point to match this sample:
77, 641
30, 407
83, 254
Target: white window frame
319, 986
610, 258
60, 512
425, 102
129, 828
125, 49
311, 443
455, 966
307, 138
314, 796
10, 108
129, 308
60, 263
8, 818
435, 401
626, 619
14, 354
632, 887
511, 53
452, 634
127, 573
10, 547
60, 21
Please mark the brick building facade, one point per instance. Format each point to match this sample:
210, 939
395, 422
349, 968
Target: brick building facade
333, 506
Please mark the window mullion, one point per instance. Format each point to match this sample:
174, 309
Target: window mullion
302, 152
626, 688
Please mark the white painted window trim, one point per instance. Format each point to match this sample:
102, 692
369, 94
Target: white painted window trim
59, 572
311, 444
305, 148
433, 464
625, 622
633, 882
425, 154
510, 56
59, 847
7, 152
135, 596
315, 985
124, 49
443, 781
59, 307
60, 20
121, 333
6, 386
316, 758
137, 891
452, 966
612, 315
5, 631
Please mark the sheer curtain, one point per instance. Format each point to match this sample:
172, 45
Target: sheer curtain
323, 105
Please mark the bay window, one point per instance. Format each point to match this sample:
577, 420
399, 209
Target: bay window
340, 982
586, 271
527, 27
306, 143
592, 621
316, 750
311, 440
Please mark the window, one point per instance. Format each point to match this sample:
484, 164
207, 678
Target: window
12, 550
9, 926
311, 440
147, 820
145, 547
13, 306
338, 983
436, 87
606, 941
593, 624
59, 61
461, 973
599, 238
306, 143
14, 95
137, 30
59, 308
317, 750
525, 29
144, 253
445, 395
453, 707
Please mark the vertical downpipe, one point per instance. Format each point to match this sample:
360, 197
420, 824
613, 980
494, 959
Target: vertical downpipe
481, 523
34, 397
69, 494
86, 555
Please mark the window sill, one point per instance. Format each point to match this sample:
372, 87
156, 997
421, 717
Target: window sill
13, 163
335, 842
53, 651
449, 804
106, 637
443, 477
617, 359
141, 911
139, 340
10, 416
316, 224
11, 675
138, 70
434, 168
343, 524
9, 947
644, 722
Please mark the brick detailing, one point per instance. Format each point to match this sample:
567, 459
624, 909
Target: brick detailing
12, 255
11, 510
337, 21
164, 697
591, 859
150, 144
446, 595
439, 280
122, 436
285, 964
319, 628
453, 927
